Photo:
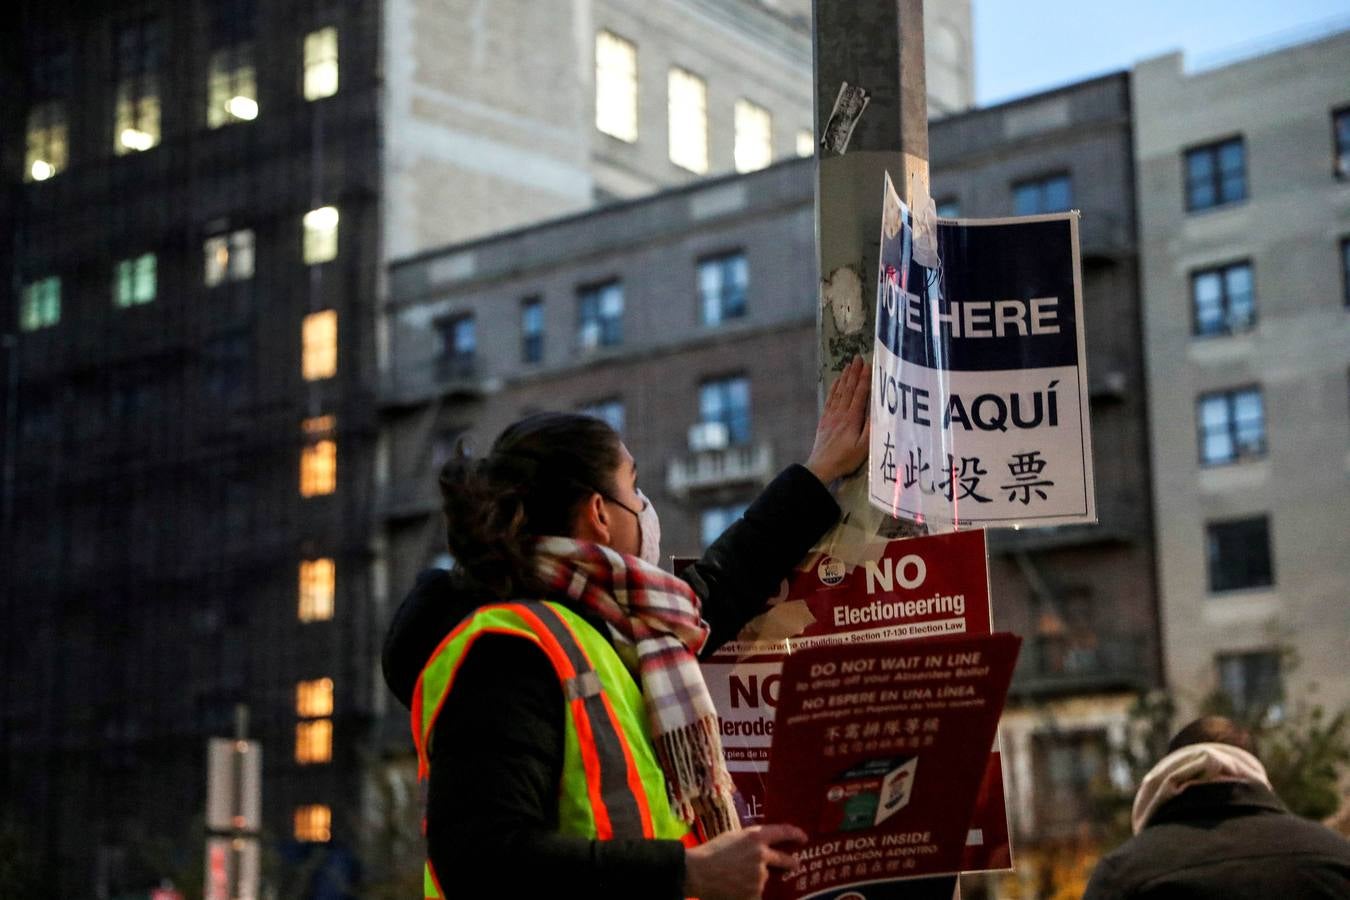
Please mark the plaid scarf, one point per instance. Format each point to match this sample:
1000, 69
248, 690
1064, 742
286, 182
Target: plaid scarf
655, 620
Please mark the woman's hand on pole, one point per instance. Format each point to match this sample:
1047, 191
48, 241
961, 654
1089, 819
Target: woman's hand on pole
844, 429
735, 865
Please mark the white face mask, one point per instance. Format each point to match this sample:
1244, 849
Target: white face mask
649, 528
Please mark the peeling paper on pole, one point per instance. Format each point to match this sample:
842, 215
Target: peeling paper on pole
848, 108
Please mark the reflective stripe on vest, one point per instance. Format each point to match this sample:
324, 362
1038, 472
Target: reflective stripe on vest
611, 784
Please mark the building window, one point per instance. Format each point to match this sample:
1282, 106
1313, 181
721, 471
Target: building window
1223, 300
806, 143
459, 346
688, 120
600, 315
726, 402
321, 63
229, 257
754, 137
313, 823
722, 283
318, 457
1251, 682
1067, 768
609, 411
1238, 554
714, 520
318, 587
1048, 194
314, 741
949, 208
41, 304
532, 330
134, 281
321, 234
136, 87
47, 148
1232, 425
1340, 135
319, 345
232, 87
314, 699
1216, 174
616, 87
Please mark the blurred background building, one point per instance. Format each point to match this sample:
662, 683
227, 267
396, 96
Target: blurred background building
1244, 204
201, 199
266, 263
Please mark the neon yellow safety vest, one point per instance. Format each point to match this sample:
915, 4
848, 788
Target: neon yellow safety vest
612, 785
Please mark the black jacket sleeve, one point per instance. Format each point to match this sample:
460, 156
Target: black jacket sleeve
745, 566
492, 799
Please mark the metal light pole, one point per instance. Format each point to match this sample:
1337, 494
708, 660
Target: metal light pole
871, 118
871, 105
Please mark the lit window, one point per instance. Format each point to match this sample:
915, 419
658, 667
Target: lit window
716, 519
1251, 682
754, 134
1232, 426
134, 281
232, 86
1216, 174
319, 339
314, 741
318, 458
688, 120
1222, 300
136, 87
41, 304
600, 316
722, 283
726, 402
229, 257
1052, 193
616, 87
1238, 554
1340, 135
532, 330
321, 63
314, 699
321, 234
313, 823
46, 141
609, 411
318, 582
806, 143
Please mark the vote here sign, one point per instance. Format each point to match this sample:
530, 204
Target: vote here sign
979, 377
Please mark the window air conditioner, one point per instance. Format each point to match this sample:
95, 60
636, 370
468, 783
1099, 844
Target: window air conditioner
708, 436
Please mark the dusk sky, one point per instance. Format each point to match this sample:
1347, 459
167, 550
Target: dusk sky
1026, 46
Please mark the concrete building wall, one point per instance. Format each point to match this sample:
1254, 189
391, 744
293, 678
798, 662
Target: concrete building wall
1289, 227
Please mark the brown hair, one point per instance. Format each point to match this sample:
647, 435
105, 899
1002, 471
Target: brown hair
1213, 730
530, 484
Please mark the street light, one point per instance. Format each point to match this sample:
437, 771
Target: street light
242, 108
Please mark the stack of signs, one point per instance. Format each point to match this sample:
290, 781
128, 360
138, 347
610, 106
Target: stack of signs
925, 587
878, 752
979, 377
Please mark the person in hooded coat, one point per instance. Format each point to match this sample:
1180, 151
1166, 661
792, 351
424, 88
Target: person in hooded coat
554, 512
1207, 824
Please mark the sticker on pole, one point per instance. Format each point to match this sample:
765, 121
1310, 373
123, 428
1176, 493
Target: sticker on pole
979, 375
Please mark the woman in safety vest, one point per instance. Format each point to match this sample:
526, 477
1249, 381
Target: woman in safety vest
567, 739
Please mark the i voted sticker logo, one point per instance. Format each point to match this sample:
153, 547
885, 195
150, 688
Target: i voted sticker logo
830, 571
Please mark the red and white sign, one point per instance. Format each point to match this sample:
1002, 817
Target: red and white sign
879, 755
922, 587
